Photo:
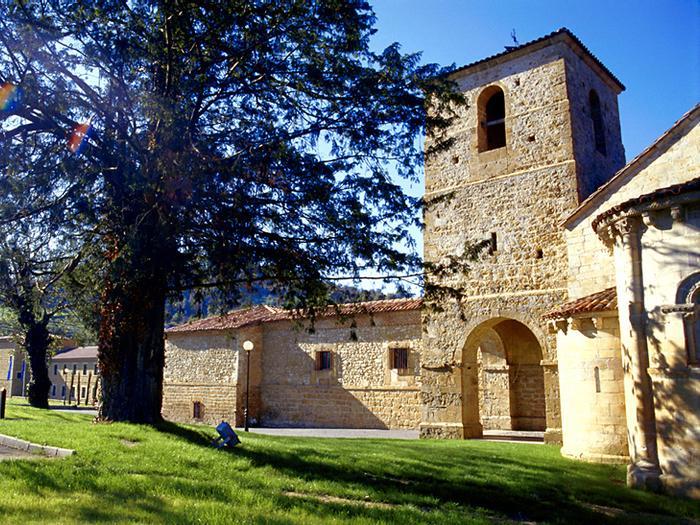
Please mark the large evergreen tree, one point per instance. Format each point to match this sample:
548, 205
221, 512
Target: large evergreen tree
219, 141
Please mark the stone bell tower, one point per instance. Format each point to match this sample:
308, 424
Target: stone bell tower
541, 132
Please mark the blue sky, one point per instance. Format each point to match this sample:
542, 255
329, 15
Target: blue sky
653, 47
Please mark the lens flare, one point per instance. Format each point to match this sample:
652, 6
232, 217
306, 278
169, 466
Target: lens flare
9, 96
79, 138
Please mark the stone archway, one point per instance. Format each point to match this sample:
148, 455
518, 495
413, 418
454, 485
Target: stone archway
502, 378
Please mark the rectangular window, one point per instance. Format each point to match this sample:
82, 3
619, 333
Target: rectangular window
63, 391
399, 358
323, 360
72, 392
53, 390
75, 369
65, 369
85, 369
55, 370
95, 368
197, 410
83, 391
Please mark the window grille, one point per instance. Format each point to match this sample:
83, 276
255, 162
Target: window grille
399, 358
323, 360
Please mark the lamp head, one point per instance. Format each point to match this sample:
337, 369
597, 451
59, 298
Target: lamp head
248, 346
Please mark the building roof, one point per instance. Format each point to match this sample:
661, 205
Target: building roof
560, 35
598, 302
655, 197
266, 314
659, 146
74, 354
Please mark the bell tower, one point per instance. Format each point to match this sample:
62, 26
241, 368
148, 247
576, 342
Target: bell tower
539, 134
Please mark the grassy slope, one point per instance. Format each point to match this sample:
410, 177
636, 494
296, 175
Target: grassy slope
170, 475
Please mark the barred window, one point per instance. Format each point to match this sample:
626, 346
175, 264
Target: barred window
197, 410
323, 360
399, 358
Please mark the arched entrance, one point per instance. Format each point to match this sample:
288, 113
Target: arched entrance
502, 378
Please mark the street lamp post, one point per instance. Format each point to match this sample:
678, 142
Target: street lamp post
248, 347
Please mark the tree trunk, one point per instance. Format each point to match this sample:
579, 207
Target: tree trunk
131, 347
37, 344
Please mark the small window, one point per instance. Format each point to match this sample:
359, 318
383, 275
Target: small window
492, 119
596, 377
85, 370
597, 118
95, 372
197, 410
72, 392
83, 391
63, 391
65, 369
399, 358
53, 390
75, 369
323, 360
55, 370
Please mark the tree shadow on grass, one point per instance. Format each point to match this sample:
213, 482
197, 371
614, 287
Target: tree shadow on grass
538, 502
412, 474
196, 437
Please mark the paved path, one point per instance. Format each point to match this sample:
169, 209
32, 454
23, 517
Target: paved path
510, 436
336, 433
13, 453
73, 410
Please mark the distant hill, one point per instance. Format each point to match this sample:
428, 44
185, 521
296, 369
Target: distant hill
200, 304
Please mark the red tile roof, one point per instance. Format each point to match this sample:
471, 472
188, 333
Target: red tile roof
561, 33
74, 354
597, 302
266, 314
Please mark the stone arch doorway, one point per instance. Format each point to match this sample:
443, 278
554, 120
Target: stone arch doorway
502, 378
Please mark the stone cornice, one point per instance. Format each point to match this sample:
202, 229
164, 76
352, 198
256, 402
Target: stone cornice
626, 219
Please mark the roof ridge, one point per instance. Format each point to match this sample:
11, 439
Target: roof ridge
619, 174
561, 31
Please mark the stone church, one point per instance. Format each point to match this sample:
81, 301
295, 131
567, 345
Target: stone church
581, 320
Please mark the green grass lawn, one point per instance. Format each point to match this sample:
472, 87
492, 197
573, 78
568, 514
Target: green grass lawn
170, 474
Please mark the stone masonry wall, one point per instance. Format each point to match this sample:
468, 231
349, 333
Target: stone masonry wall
591, 264
200, 366
670, 258
592, 390
593, 168
521, 193
361, 389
